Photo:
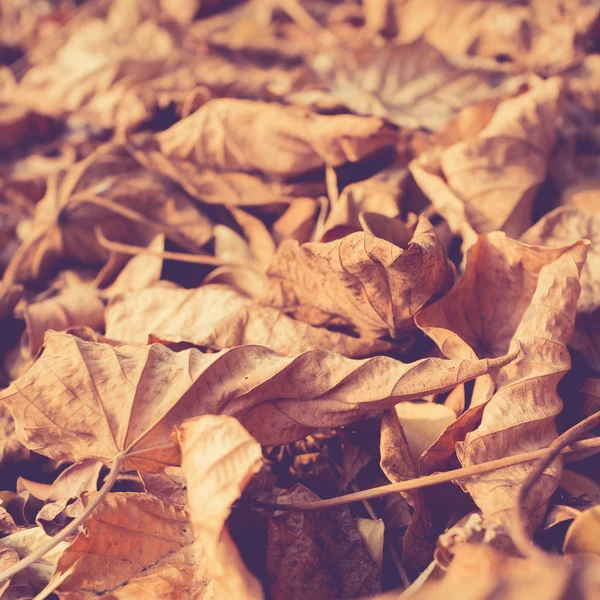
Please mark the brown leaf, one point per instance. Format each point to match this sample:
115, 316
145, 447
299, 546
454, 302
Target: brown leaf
412, 85
317, 554
380, 193
529, 384
480, 315
106, 189
75, 306
280, 140
360, 280
85, 400
566, 225
582, 535
397, 464
140, 272
538, 34
132, 541
479, 572
219, 457
495, 175
222, 187
217, 317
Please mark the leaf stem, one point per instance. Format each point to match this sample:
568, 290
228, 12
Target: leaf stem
178, 256
427, 480
70, 528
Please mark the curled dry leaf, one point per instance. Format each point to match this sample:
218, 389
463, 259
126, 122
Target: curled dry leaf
566, 225
75, 306
217, 317
317, 554
219, 458
493, 177
85, 400
479, 317
529, 384
360, 280
280, 140
380, 193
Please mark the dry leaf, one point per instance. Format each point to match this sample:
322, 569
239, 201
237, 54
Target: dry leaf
540, 35
412, 85
479, 317
496, 174
317, 554
479, 572
75, 306
566, 225
582, 535
397, 464
106, 190
130, 542
217, 317
283, 141
219, 457
99, 406
530, 383
360, 280
380, 193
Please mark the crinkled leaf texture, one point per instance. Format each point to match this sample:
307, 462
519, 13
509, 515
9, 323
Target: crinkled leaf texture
217, 317
360, 280
86, 399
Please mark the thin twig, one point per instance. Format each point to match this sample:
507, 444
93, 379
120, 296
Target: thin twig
199, 259
519, 534
70, 528
426, 481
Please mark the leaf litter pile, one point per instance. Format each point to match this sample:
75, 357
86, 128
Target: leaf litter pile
300, 299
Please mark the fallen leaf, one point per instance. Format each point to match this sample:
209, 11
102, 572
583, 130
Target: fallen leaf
582, 535
99, 406
131, 541
219, 457
317, 553
75, 306
397, 464
422, 424
479, 317
279, 140
538, 35
380, 193
197, 316
496, 174
566, 225
108, 190
360, 280
530, 383
412, 85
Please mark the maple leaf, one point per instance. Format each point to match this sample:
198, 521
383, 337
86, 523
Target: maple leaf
85, 400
